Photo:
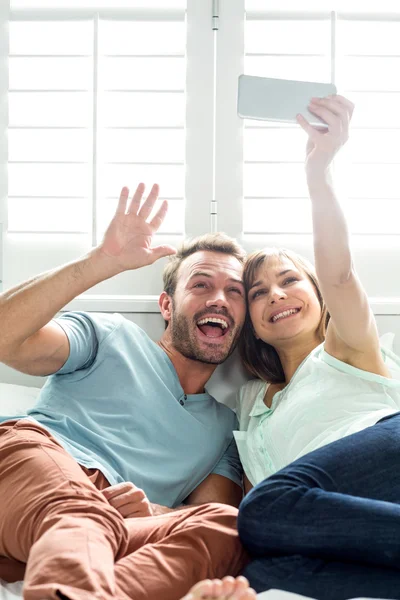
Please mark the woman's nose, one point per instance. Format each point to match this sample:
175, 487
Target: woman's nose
276, 294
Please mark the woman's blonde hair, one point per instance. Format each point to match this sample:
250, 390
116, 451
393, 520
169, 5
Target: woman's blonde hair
261, 359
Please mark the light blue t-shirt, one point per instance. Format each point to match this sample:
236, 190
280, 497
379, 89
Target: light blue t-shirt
117, 405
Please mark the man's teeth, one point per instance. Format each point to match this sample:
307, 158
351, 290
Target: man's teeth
285, 313
221, 322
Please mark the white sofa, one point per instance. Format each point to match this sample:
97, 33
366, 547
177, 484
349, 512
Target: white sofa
16, 399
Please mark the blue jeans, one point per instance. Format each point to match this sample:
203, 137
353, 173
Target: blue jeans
328, 525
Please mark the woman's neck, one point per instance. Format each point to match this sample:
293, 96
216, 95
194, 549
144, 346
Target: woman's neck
292, 354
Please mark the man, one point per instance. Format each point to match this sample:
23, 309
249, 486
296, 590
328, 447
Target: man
120, 408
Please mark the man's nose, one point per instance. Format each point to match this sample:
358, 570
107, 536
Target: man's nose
217, 299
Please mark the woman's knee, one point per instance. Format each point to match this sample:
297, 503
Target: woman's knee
274, 494
263, 512
257, 503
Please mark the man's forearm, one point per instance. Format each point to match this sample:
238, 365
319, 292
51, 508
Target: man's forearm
29, 306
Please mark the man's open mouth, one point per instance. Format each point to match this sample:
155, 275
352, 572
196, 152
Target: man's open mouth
213, 327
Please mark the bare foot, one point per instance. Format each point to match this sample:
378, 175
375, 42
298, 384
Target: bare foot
225, 589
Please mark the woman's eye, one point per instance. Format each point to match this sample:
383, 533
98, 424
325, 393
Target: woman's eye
257, 294
290, 280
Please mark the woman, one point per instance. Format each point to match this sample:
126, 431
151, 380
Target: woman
320, 428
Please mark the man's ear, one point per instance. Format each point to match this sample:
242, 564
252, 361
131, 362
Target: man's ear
165, 304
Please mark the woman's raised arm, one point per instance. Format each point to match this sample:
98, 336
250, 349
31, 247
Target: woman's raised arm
352, 335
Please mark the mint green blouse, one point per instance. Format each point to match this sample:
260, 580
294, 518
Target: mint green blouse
325, 400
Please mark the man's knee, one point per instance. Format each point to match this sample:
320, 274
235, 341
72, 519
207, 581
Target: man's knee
213, 531
217, 508
214, 514
103, 527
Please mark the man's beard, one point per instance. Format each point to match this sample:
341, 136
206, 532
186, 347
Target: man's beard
184, 340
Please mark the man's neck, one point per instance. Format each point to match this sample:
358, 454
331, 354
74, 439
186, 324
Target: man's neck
193, 374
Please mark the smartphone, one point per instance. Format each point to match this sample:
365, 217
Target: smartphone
279, 99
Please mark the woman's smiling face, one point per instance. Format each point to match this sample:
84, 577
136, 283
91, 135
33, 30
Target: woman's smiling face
283, 302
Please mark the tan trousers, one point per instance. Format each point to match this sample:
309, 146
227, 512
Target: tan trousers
55, 522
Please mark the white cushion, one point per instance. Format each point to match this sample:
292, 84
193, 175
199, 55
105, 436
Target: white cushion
387, 341
16, 399
11, 591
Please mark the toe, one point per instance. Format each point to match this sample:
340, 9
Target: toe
228, 586
249, 594
241, 586
200, 590
216, 589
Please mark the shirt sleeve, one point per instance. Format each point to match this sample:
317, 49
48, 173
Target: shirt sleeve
229, 465
83, 341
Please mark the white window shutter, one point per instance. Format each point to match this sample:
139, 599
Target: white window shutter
97, 100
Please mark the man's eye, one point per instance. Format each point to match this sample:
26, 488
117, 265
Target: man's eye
199, 285
236, 291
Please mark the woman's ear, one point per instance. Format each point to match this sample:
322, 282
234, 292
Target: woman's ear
165, 304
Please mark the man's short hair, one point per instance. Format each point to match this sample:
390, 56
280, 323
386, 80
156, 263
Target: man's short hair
210, 242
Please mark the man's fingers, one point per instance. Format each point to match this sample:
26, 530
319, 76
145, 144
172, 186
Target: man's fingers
149, 203
129, 498
119, 488
134, 205
123, 197
161, 251
131, 510
159, 217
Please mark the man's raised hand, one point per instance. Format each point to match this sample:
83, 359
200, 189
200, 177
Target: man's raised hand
129, 236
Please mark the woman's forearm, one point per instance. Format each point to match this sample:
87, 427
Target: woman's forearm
333, 260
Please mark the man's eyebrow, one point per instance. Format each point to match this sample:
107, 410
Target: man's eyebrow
210, 276
234, 280
200, 274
